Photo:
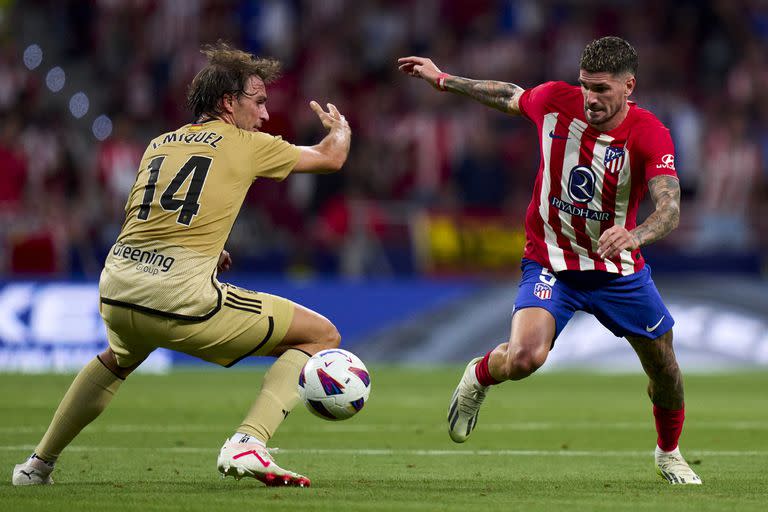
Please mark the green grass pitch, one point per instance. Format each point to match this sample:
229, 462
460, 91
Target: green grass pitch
556, 441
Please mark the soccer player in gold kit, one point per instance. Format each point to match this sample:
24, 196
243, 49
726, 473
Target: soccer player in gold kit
159, 286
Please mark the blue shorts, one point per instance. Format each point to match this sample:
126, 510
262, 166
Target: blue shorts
626, 305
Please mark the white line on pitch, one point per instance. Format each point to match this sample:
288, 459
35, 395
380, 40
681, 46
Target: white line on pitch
364, 428
436, 453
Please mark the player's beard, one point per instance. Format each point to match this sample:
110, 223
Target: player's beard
603, 116
590, 113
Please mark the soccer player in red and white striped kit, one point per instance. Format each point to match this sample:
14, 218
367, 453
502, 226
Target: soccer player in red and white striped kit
600, 154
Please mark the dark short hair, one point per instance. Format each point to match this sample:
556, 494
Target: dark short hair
227, 72
609, 54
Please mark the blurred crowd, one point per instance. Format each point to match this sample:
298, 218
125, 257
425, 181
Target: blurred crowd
703, 72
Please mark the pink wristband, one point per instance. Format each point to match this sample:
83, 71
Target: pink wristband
441, 80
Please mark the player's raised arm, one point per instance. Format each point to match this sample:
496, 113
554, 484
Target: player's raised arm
331, 153
502, 96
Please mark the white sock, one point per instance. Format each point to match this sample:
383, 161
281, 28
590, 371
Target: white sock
47, 463
240, 437
659, 451
473, 378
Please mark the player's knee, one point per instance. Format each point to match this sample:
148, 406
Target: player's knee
109, 360
329, 337
521, 363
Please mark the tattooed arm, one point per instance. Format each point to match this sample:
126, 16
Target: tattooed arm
502, 96
665, 193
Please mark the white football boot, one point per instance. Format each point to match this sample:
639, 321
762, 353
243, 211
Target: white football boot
33, 471
254, 460
465, 404
672, 467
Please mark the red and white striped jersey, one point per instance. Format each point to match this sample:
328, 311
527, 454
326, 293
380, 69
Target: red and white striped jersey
588, 180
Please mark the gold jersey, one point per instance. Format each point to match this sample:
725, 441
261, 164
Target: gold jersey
189, 189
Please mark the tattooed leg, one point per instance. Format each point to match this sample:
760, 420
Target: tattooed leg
665, 385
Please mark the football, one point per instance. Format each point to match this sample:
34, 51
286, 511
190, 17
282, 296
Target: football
334, 384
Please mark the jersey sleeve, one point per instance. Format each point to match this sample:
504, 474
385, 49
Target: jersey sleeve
658, 151
533, 102
273, 157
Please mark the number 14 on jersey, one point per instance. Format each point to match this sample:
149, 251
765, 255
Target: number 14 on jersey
197, 166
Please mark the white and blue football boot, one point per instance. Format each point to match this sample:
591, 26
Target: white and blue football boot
672, 467
465, 404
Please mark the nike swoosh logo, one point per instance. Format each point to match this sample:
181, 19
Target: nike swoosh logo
329, 363
651, 329
552, 134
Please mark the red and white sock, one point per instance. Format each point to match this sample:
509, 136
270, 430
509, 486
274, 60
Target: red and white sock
483, 373
669, 426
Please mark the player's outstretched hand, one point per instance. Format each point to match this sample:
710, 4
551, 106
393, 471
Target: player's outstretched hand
614, 240
225, 262
331, 119
420, 67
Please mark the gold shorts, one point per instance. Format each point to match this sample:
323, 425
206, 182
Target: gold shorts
247, 324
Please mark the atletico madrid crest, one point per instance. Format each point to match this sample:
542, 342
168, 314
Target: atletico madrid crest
614, 159
542, 291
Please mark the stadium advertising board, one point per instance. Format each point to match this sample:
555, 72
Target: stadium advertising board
462, 243
55, 327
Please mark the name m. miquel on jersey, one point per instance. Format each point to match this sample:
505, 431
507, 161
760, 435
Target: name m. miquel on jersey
148, 261
205, 137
